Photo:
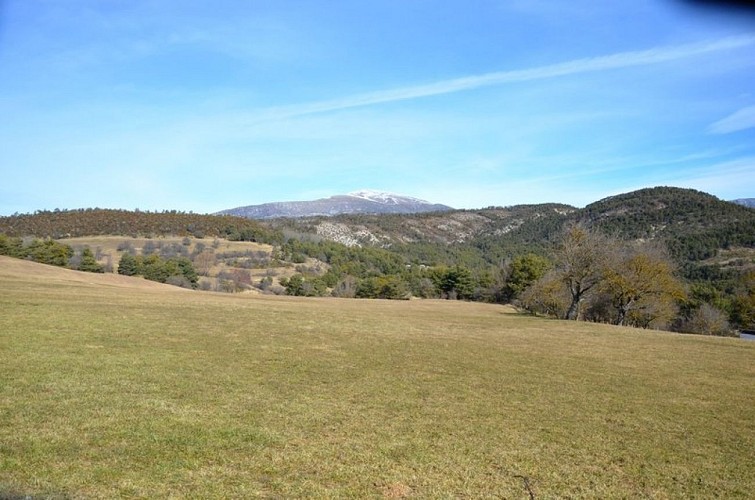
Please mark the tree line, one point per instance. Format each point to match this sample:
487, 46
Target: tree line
51, 252
97, 221
174, 270
582, 274
177, 271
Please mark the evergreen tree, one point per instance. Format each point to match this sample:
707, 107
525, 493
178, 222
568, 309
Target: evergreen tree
294, 285
454, 282
49, 252
89, 263
12, 247
187, 270
524, 271
128, 265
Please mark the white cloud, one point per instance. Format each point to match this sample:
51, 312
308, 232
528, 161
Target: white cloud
739, 120
602, 63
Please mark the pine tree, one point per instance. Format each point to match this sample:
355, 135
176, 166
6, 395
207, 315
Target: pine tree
89, 263
128, 266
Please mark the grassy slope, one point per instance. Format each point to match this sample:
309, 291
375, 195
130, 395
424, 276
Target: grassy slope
113, 386
108, 246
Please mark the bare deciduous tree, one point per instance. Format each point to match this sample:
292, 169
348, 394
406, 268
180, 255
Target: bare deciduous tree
204, 262
581, 259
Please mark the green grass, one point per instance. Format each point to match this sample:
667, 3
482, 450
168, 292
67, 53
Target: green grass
110, 387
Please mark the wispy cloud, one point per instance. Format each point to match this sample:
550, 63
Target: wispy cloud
739, 120
602, 63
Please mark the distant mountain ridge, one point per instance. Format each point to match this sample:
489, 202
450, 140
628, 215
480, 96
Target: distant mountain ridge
358, 202
694, 224
745, 202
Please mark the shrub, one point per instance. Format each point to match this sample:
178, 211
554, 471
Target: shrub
546, 296
179, 280
708, 320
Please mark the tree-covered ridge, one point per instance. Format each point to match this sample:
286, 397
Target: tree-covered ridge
96, 221
694, 224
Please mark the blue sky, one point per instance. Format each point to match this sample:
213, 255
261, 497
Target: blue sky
202, 106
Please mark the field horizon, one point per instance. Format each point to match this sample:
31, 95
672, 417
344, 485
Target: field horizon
115, 386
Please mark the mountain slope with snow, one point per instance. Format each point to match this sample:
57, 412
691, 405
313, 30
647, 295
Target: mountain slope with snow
359, 202
745, 202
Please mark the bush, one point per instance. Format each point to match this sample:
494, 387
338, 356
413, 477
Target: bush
708, 320
383, 287
12, 247
546, 296
155, 268
179, 280
126, 246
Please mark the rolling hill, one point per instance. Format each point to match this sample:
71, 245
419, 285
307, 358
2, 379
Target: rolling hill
16, 271
444, 228
97, 222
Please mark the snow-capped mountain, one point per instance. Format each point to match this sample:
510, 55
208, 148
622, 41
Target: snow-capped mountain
366, 201
384, 197
745, 202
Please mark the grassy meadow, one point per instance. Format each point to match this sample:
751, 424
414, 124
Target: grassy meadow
118, 387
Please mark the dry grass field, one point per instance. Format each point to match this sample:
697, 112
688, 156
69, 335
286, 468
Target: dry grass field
119, 387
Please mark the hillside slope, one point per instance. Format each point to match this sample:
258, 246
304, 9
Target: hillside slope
694, 224
96, 221
14, 271
451, 227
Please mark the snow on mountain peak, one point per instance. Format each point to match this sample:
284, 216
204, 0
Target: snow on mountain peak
365, 201
383, 197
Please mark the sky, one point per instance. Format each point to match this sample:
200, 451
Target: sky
207, 105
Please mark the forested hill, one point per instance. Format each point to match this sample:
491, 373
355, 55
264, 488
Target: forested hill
694, 224
96, 221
